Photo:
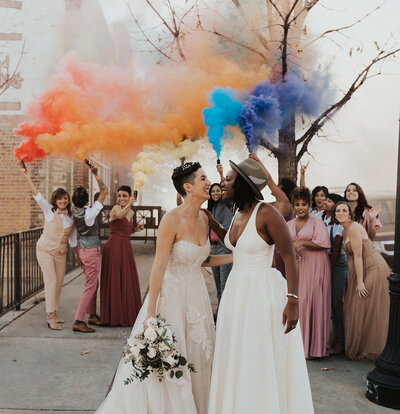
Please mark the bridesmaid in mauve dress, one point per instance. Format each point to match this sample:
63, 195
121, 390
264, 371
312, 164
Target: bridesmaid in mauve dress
120, 298
366, 300
311, 241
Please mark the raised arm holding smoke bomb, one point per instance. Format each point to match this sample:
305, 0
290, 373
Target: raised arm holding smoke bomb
51, 249
282, 203
103, 188
220, 170
89, 249
221, 210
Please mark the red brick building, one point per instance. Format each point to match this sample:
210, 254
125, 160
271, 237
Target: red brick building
34, 36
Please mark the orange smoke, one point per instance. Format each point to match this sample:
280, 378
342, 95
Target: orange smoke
91, 107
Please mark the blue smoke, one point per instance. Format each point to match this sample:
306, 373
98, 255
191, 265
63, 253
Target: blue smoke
224, 110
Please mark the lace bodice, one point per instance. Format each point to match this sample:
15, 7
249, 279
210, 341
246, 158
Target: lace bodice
251, 251
185, 260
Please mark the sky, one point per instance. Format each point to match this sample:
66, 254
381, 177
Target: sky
361, 142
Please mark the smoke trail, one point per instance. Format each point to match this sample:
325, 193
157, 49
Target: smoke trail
270, 106
260, 115
154, 156
224, 110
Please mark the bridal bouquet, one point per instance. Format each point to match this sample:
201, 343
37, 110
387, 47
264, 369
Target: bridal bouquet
154, 350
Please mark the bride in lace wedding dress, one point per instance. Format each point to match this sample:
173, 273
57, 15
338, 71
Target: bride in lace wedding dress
177, 291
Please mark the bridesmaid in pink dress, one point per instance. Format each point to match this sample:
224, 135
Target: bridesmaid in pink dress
120, 298
311, 241
363, 213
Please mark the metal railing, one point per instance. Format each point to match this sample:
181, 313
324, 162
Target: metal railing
149, 216
20, 273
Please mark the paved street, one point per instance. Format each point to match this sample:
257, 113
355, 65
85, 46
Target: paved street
52, 372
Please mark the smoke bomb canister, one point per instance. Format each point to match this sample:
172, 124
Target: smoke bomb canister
23, 164
218, 161
135, 193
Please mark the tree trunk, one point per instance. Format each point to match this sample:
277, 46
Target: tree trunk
286, 154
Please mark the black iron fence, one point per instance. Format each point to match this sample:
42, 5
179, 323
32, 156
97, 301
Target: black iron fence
149, 216
20, 274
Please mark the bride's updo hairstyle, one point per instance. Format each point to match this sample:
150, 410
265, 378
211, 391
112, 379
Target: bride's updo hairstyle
184, 174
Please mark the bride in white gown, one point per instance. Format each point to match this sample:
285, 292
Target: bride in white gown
259, 365
178, 292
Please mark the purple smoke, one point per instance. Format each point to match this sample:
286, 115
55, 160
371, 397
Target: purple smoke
270, 106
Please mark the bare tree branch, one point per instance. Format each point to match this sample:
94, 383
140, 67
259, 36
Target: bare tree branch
9, 79
328, 113
307, 7
263, 41
286, 27
235, 42
274, 150
276, 8
339, 29
147, 38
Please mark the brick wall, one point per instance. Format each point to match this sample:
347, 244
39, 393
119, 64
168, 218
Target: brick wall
18, 210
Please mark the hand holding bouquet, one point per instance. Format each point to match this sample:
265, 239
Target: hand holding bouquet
154, 350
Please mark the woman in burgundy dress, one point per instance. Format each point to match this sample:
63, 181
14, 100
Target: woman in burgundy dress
120, 298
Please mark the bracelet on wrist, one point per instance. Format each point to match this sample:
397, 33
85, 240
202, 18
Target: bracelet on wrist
292, 295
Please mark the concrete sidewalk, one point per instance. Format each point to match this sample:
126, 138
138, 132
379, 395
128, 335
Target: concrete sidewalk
45, 371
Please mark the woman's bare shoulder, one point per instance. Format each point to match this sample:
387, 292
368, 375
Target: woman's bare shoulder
171, 216
355, 229
269, 212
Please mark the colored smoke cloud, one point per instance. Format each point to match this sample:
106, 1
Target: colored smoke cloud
91, 107
224, 110
270, 106
155, 156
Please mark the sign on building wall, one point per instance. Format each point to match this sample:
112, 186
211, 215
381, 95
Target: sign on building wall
31, 47
59, 174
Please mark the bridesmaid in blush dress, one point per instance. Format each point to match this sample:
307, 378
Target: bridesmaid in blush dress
366, 300
363, 213
311, 241
120, 298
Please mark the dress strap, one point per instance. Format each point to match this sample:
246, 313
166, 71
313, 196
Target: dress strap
252, 220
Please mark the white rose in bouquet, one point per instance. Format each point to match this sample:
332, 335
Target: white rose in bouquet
131, 341
151, 353
150, 334
141, 345
152, 322
170, 360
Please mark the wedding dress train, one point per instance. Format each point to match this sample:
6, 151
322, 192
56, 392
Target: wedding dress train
257, 369
184, 303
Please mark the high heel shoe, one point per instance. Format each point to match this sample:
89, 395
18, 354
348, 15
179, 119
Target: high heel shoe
58, 319
52, 322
